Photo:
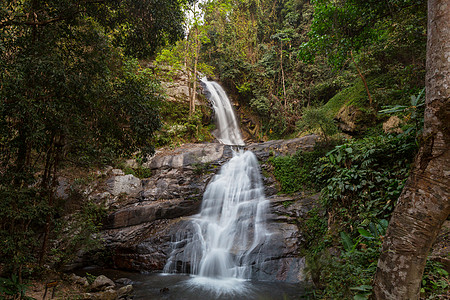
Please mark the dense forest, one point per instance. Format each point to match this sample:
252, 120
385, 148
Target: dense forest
84, 86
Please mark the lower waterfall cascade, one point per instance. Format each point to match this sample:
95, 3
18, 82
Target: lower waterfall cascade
227, 234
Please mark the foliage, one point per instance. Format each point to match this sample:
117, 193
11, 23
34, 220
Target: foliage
435, 281
294, 172
348, 274
77, 233
340, 27
313, 118
23, 214
133, 23
179, 127
70, 94
12, 288
314, 227
362, 179
140, 172
412, 112
255, 45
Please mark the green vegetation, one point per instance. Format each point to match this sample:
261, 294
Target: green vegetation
179, 127
316, 118
279, 57
360, 181
73, 94
294, 172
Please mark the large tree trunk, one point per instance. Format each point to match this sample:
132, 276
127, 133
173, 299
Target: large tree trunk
424, 203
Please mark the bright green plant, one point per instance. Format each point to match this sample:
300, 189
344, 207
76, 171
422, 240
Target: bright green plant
294, 172
13, 288
316, 118
363, 179
360, 181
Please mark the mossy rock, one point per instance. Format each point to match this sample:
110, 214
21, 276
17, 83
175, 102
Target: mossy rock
355, 95
354, 120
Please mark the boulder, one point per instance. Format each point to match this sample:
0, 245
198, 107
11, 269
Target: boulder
102, 283
79, 280
125, 291
352, 120
151, 211
109, 294
186, 155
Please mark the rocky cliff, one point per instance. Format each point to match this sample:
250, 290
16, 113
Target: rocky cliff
146, 214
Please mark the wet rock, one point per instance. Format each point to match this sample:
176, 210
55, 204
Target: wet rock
102, 283
186, 155
289, 269
151, 211
125, 291
124, 281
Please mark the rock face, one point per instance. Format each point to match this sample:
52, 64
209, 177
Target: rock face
148, 213
352, 120
282, 147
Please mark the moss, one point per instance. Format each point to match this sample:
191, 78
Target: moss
384, 91
354, 95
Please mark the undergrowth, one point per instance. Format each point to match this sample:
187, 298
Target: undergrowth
360, 182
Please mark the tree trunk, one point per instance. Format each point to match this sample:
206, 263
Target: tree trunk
282, 74
196, 55
424, 203
369, 95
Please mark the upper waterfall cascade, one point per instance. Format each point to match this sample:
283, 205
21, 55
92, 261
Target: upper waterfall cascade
228, 131
225, 239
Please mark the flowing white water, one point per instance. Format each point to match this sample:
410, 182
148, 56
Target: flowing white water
224, 240
228, 132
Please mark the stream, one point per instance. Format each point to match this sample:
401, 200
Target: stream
188, 287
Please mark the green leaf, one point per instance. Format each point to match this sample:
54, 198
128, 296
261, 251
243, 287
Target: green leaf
346, 241
365, 233
362, 288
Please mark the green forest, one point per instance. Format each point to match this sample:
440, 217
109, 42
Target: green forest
85, 84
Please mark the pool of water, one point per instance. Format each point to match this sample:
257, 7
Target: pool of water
186, 287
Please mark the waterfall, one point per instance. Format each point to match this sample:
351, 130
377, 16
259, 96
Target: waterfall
224, 240
228, 132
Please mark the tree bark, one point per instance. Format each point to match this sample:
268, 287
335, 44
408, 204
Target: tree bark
196, 55
424, 203
369, 95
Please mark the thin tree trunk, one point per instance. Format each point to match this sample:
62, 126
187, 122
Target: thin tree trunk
363, 79
194, 92
282, 75
424, 203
